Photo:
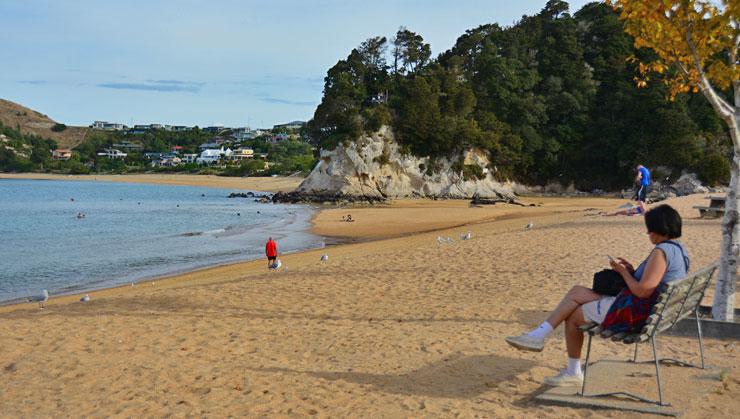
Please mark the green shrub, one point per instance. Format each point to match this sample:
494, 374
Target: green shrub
715, 169
58, 127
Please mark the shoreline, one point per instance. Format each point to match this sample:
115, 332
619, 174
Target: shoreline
261, 184
325, 223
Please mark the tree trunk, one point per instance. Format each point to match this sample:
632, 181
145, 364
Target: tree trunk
723, 307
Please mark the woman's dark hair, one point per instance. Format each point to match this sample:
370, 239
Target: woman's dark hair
664, 220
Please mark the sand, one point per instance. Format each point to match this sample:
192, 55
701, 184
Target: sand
265, 184
395, 325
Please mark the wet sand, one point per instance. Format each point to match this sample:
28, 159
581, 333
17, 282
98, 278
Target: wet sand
396, 325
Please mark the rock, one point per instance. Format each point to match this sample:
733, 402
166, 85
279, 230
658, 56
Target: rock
373, 169
688, 184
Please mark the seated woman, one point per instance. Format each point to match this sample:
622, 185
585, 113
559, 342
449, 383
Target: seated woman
668, 261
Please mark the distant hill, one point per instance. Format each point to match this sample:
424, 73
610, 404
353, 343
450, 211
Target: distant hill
13, 115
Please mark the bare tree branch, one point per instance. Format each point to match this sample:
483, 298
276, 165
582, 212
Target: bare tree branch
724, 109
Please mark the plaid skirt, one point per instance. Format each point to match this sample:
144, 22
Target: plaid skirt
628, 313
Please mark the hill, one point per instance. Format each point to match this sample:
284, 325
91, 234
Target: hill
32, 122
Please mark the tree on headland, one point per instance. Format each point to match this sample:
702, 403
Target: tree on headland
696, 49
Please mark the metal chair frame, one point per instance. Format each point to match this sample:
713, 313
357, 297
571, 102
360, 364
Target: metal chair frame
659, 326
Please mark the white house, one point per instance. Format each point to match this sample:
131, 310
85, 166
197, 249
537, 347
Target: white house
189, 158
108, 126
213, 155
112, 153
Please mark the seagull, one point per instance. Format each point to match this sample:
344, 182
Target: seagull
529, 226
41, 298
440, 240
449, 240
324, 258
85, 299
466, 236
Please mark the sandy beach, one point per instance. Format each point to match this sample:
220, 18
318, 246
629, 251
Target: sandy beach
394, 325
264, 184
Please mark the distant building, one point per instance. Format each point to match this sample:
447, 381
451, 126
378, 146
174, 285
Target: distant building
290, 125
189, 158
61, 154
130, 146
154, 156
176, 149
242, 153
211, 156
108, 126
206, 146
214, 129
112, 153
180, 128
242, 134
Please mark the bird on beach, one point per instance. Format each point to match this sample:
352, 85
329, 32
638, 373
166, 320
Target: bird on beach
85, 298
41, 298
466, 236
440, 240
529, 226
449, 240
324, 258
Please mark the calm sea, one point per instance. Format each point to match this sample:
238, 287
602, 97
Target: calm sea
130, 232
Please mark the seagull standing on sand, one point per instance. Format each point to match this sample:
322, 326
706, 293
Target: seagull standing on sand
449, 240
86, 298
440, 240
324, 258
41, 298
466, 236
529, 226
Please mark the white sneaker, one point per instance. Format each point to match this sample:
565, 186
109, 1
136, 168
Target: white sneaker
526, 343
563, 379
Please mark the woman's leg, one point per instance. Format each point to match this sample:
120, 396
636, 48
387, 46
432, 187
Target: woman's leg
574, 299
573, 335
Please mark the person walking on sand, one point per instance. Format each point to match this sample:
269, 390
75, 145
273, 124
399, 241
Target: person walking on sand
271, 250
642, 180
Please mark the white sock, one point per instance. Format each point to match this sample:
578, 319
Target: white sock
541, 332
574, 366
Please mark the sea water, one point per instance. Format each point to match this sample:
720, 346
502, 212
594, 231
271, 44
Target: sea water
66, 236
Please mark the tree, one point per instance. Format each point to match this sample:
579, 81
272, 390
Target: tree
409, 51
696, 47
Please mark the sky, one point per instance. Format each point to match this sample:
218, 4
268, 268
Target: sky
218, 62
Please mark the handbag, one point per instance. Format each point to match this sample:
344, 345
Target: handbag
608, 282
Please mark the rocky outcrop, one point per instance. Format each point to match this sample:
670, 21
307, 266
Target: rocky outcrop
688, 184
373, 168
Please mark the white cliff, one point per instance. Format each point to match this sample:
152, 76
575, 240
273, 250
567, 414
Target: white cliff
373, 166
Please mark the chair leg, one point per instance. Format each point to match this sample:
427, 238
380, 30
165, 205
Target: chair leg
634, 358
698, 332
585, 367
657, 372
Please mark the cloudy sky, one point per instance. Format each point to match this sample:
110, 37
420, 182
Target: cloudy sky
190, 62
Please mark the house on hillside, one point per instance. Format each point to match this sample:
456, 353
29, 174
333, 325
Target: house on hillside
214, 129
129, 146
112, 153
189, 158
61, 154
211, 156
242, 153
242, 134
289, 125
108, 126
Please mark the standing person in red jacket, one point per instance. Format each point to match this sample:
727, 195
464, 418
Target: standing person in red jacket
272, 251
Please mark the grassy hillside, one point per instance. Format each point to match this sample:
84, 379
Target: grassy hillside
13, 115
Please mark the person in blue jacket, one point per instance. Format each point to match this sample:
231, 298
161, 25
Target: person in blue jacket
642, 180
